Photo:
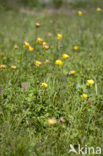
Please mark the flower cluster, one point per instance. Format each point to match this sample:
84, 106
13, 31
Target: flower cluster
43, 43
28, 46
3, 66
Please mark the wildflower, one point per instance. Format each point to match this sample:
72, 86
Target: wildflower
13, 67
16, 46
90, 82
76, 47
84, 96
59, 36
52, 121
2, 66
38, 63
37, 25
44, 84
46, 47
44, 44
80, 13
47, 61
30, 48
99, 10
26, 44
72, 72
39, 40
65, 56
59, 62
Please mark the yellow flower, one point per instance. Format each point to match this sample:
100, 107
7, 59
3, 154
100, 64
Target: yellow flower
44, 84
52, 121
65, 56
37, 25
84, 96
59, 62
38, 63
39, 40
80, 13
44, 44
76, 47
99, 9
13, 67
26, 44
59, 36
72, 72
30, 48
46, 47
90, 82
47, 61
2, 66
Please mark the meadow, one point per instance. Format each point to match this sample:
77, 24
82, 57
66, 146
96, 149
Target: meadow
51, 80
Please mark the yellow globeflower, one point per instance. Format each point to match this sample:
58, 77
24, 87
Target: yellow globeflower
99, 9
44, 44
13, 67
84, 96
72, 72
46, 47
59, 62
39, 40
59, 36
38, 63
2, 66
52, 121
90, 82
26, 44
30, 48
76, 47
44, 84
80, 13
65, 56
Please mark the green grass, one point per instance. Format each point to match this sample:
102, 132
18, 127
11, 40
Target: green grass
24, 113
